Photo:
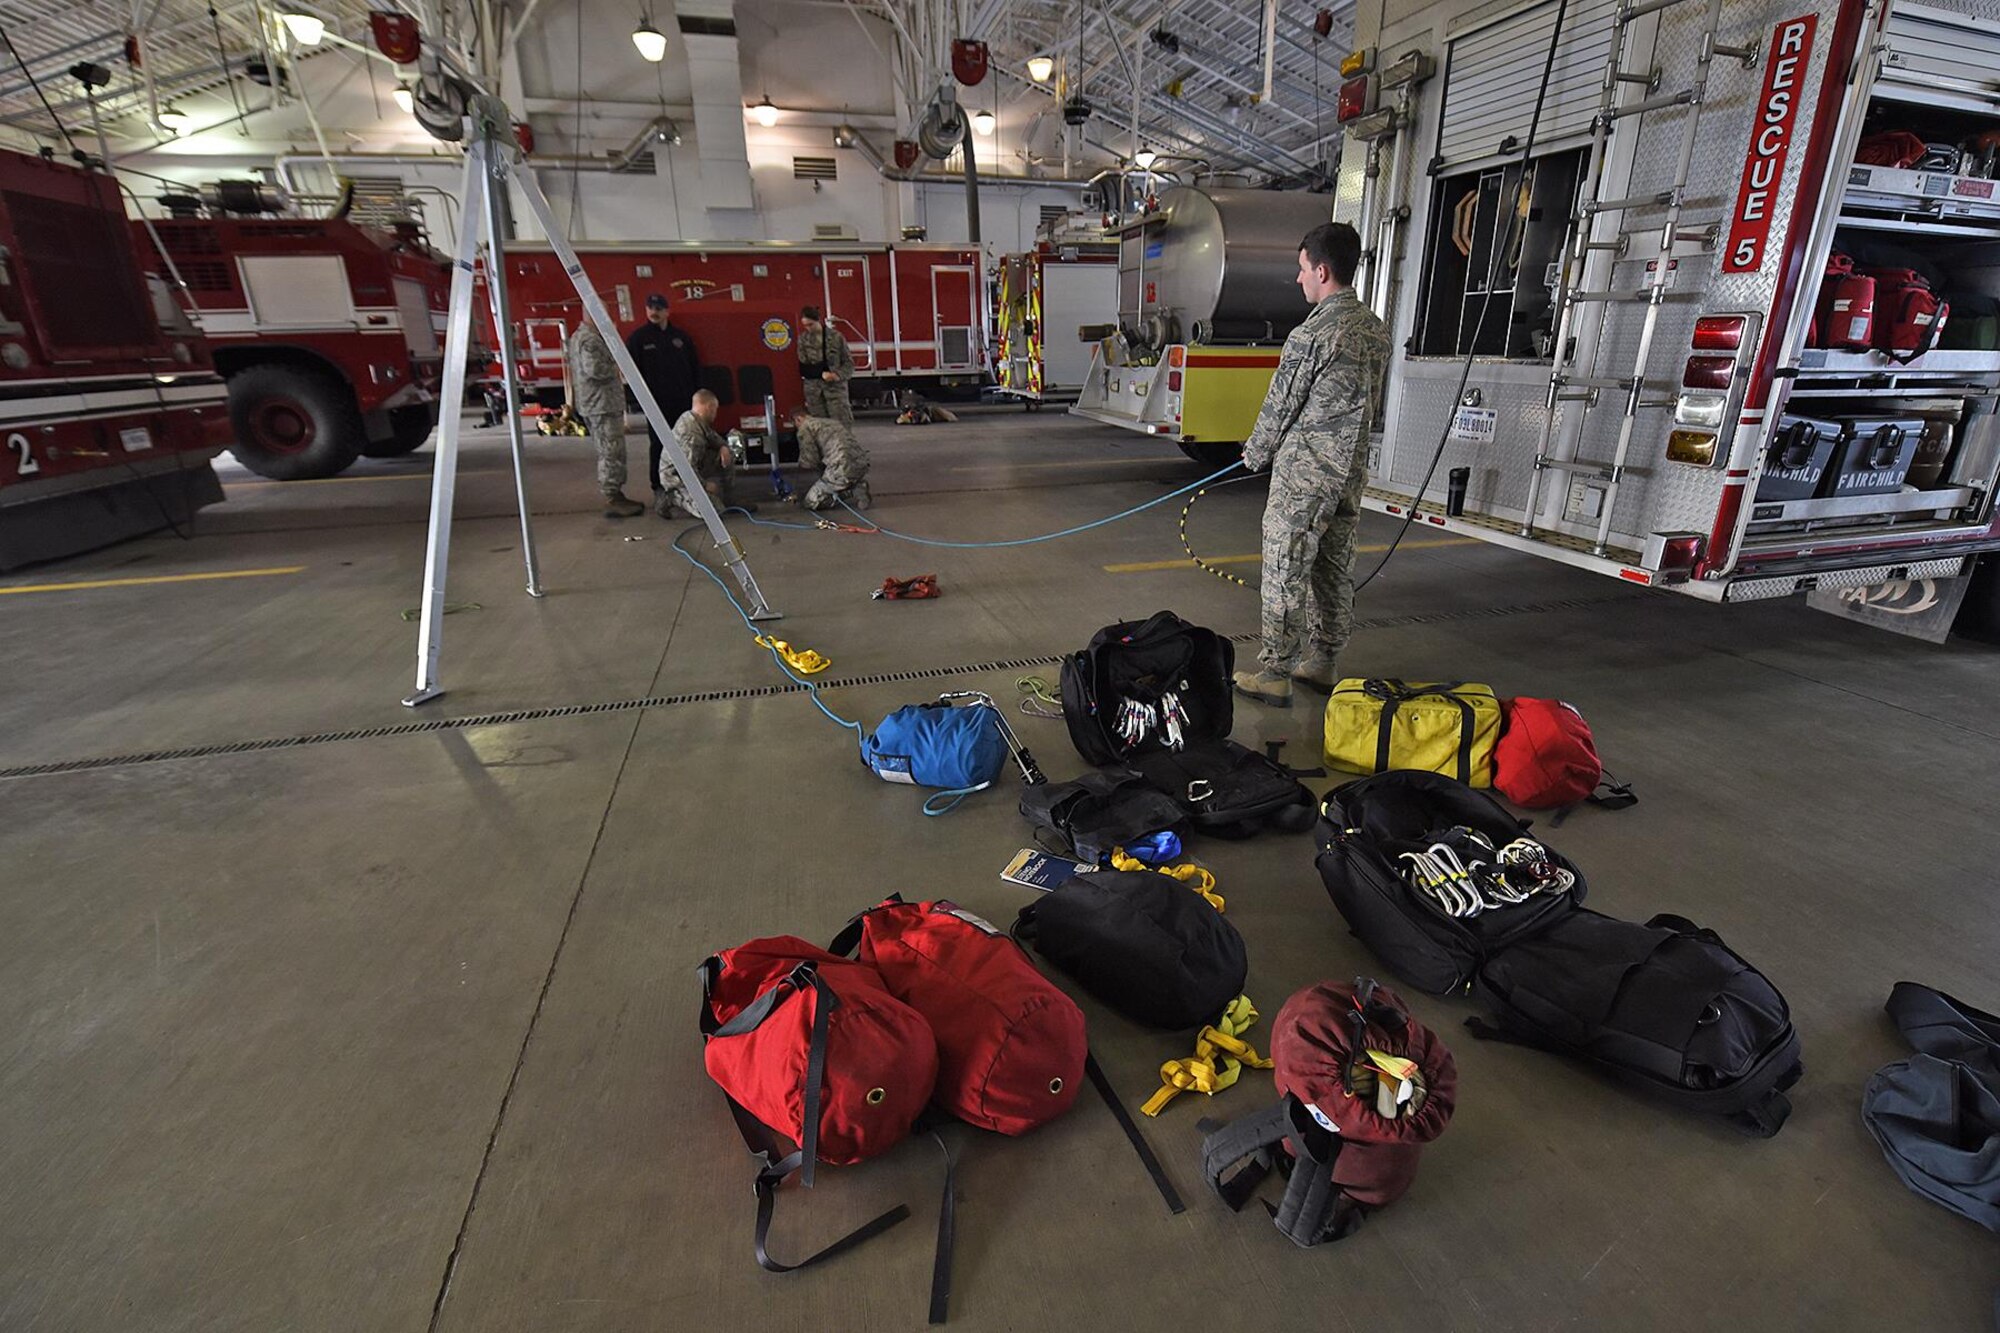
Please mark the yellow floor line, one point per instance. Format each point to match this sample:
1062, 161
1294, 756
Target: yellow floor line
1082, 462
157, 578
328, 481
1151, 566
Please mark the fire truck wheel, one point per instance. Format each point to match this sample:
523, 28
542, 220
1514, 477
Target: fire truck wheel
410, 427
1212, 454
1979, 614
293, 423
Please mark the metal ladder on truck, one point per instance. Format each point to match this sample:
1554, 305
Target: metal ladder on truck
1586, 389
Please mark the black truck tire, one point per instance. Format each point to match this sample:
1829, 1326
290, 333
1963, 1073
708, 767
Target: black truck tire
1213, 454
1979, 614
409, 428
293, 423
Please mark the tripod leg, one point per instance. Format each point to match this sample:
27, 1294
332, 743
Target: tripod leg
594, 308
444, 470
496, 289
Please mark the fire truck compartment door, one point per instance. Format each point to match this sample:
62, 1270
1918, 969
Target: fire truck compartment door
413, 304
849, 305
1926, 47
298, 291
955, 303
1495, 69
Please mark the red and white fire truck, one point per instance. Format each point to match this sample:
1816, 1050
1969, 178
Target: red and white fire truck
913, 314
1722, 317
329, 332
109, 407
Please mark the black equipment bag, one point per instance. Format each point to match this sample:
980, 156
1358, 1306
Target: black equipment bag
1936, 1115
1665, 1005
1144, 944
1366, 824
1144, 660
1107, 808
1228, 790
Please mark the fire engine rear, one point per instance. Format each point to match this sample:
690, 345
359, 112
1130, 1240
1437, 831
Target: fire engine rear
109, 405
328, 331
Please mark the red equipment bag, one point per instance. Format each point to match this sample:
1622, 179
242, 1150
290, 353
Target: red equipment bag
1546, 758
1011, 1045
1909, 316
1845, 315
1895, 148
820, 1063
1364, 1087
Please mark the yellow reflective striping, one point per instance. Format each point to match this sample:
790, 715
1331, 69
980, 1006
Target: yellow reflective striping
157, 578
1152, 566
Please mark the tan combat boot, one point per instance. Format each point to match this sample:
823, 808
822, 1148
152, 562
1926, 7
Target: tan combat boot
1266, 687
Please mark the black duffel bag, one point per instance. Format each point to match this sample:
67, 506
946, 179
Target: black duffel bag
1143, 943
1366, 825
1112, 807
1665, 1005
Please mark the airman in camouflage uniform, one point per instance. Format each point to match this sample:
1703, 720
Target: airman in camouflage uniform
825, 365
598, 396
709, 454
824, 440
1311, 433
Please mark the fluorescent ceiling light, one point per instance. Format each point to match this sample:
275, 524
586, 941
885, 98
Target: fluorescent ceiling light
306, 29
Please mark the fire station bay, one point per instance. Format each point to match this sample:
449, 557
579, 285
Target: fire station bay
1035, 666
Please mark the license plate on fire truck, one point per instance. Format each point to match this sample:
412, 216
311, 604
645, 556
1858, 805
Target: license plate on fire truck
1474, 425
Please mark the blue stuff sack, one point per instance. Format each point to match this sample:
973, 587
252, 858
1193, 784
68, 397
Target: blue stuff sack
959, 750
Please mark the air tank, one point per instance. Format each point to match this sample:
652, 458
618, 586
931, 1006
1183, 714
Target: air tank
1218, 265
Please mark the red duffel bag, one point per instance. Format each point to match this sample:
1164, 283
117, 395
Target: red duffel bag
1546, 759
1364, 1087
820, 1064
1011, 1045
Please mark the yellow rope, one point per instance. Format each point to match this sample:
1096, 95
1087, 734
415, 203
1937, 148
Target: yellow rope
1192, 875
805, 661
1218, 1059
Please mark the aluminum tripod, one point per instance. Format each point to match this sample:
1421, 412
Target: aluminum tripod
490, 165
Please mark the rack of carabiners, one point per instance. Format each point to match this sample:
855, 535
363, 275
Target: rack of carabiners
1465, 874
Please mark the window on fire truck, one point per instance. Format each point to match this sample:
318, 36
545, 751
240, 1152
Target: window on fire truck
1493, 257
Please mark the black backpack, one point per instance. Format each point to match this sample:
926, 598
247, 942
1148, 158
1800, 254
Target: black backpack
1108, 808
1936, 1115
1165, 664
1143, 943
1666, 1006
1366, 825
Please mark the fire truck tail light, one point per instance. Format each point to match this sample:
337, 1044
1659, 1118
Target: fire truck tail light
1177, 356
1353, 100
1173, 381
1719, 333
1702, 410
1696, 447
1708, 372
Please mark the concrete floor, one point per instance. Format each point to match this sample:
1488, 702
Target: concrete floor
397, 1032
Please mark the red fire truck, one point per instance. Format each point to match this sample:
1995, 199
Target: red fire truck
329, 332
914, 315
109, 407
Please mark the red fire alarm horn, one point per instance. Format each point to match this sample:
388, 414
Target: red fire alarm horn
968, 61
1323, 22
906, 154
524, 135
396, 35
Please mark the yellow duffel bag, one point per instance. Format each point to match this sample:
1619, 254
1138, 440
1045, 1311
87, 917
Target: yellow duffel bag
1448, 728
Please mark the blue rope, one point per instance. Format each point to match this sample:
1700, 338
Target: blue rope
784, 666
1047, 536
